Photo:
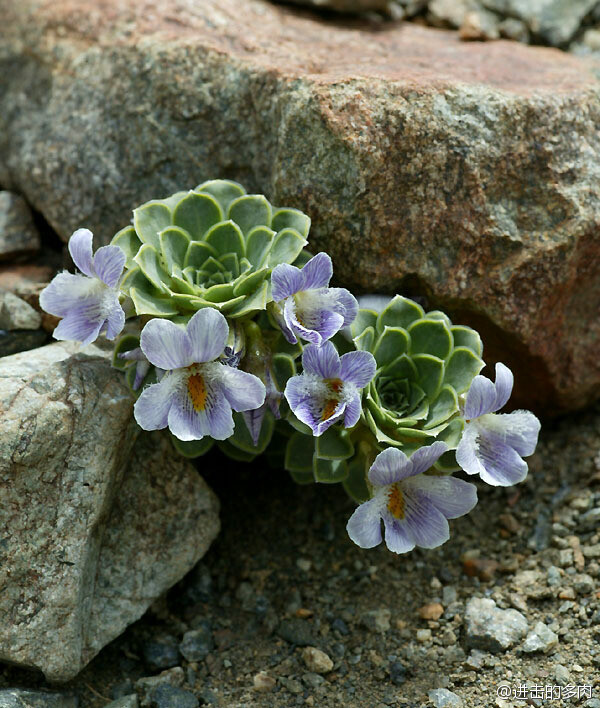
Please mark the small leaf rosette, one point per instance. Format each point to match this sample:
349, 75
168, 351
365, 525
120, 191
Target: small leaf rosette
214, 246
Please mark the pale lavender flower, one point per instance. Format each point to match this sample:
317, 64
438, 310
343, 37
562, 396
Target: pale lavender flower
196, 395
254, 418
310, 309
413, 506
88, 303
328, 390
493, 445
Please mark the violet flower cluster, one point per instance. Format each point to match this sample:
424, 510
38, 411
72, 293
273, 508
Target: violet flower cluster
235, 338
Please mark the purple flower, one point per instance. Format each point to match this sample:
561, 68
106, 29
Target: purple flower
195, 396
413, 506
492, 446
311, 310
328, 390
254, 418
88, 303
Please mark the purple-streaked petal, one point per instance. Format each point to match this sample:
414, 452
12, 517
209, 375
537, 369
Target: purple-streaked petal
353, 410
67, 291
296, 391
453, 497
424, 458
242, 390
519, 429
109, 262
364, 526
346, 305
504, 386
317, 272
151, 409
481, 398
141, 369
322, 361
80, 248
315, 323
254, 420
187, 423
484, 453
207, 333
115, 320
286, 280
397, 537
358, 368
426, 525
132, 355
389, 466
165, 345
311, 413
78, 326
219, 418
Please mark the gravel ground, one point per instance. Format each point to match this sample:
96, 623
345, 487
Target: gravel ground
386, 630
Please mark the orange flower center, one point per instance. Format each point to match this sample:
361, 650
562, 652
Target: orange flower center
335, 386
396, 502
197, 391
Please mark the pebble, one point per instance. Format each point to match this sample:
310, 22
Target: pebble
443, 698
553, 576
565, 558
316, 660
449, 595
161, 653
304, 564
292, 685
146, 685
23, 698
125, 702
431, 611
490, 628
514, 29
448, 638
312, 679
592, 702
398, 672
340, 626
172, 697
296, 631
423, 635
590, 521
377, 620
591, 551
475, 659
17, 314
197, 644
561, 674
540, 639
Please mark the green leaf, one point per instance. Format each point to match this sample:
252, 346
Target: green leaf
229, 305
124, 344
330, 471
150, 219
212, 266
364, 341
174, 244
304, 477
286, 247
192, 448
134, 278
283, 369
234, 452
148, 260
223, 190
355, 483
148, 304
462, 367
197, 213
444, 406
231, 264
402, 368
219, 293
438, 315
430, 337
256, 301
334, 444
467, 337
299, 453
248, 283
364, 319
400, 312
127, 240
292, 218
180, 283
249, 211
431, 373
242, 439
258, 244
198, 253
447, 463
303, 257
452, 433
226, 237
391, 344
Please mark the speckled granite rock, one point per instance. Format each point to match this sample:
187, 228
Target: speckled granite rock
469, 173
91, 529
22, 698
18, 234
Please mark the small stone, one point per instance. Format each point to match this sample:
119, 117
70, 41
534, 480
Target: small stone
443, 698
553, 576
591, 551
377, 620
316, 660
197, 643
146, 685
514, 29
23, 698
313, 680
17, 314
449, 595
431, 611
475, 659
540, 639
263, 683
161, 653
565, 558
304, 564
584, 584
482, 568
296, 631
590, 521
18, 234
509, 523
444, 13
567, 594
292, 685
423, 635
397, 672
592, 702
124, 702
172, 697
490, 628
591, 40
340, 626
479, 25
561, 674
448, 638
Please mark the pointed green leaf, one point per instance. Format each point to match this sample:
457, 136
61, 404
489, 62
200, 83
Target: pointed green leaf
286, 247
223, 190
402, 368
148, 304
226, 237
391, 344
467, 337
283, 370
334, 444
355, 483
444, 406
248, 283
299, 453
231, 262
134, 278
192, 448
438, 315
229, 306
242, 439
256, 301
212, 265
174, 244
219, 293
431, 373
127, 240
364, 319
364, 341
447, 463
180, 282
197, 213
304, 477
150, 219
148, 260
430, 337
197, 254
258, 245
249, 211
400, 312
291, 218
245, 265
330, 471
452, 433
462, 367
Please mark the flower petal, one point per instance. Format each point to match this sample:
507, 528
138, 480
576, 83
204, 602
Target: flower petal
243, 391
481, 398
323, 361
389, 466
364, 526
207, 333
115, 320
296, 391
353, 411
504, 386
519, 429
151, 410
68, 291
358, 368
453, 497
254, 420
346, 305
317, 272
80, 248
426, 525
424, 458
109, 262
397, 537
286, 280
484, 453
79, 326
165, 345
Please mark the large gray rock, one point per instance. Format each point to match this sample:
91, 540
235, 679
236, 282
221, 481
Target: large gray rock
92, 531
22, 698
18, 234
468, 173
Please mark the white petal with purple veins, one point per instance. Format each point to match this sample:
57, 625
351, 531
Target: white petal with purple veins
165, 345
115, 320
67, 291
426, 525
79, 326
151, 410
346, 305
286, 280
425, 457
80, 248
242, 390
109, 262
481, 398
317, 272
207, 333
504, 386
353, 411
453, 497
389, 466
397, 536
364, 526
519, 429
322, 361
358, 368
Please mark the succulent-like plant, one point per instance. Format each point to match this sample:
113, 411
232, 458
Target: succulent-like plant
213, 246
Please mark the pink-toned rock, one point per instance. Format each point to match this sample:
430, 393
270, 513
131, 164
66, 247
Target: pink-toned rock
465, 172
